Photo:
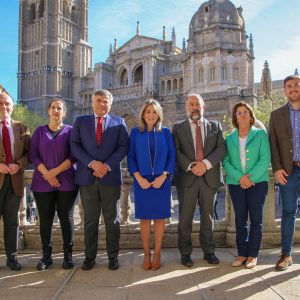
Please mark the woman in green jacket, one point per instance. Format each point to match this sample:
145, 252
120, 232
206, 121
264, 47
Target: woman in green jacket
246, 165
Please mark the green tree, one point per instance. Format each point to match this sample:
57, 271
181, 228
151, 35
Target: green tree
266, 105
30, 118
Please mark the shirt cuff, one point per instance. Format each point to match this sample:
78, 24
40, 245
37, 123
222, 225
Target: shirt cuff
207, 163
109, 169
189, 168
89, 165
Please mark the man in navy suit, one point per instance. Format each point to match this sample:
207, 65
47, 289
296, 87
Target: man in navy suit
99, 142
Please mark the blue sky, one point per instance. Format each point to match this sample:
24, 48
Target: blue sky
273, 23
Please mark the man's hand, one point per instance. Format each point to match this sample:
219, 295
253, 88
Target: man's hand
100, 169
199, 168
246, 182
4, 169
13, 168
158, 181
280, 176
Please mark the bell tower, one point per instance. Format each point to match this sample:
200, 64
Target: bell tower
54, 54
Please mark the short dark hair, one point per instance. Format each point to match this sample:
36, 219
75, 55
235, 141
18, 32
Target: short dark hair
290, 77
234, 110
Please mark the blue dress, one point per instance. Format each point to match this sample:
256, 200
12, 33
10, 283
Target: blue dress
147, 148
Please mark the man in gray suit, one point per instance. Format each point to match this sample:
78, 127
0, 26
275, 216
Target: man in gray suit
285, 150
199, 149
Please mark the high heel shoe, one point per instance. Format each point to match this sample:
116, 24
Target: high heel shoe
147, 261
155, 265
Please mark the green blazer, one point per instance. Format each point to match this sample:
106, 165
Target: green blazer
258, 156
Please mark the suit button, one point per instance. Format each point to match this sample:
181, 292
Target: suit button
247, 150
291, 150
248, 158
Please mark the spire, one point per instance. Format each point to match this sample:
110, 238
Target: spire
251, 48
296, 72
115, 45
266, 81
173, 40
110, 49
138, 29
183, 45
164, 33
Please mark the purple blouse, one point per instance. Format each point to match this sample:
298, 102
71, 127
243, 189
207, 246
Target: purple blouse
51, 152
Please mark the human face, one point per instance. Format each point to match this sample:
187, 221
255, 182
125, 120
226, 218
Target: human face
6, 106
101, 105
150, 116
194, 108
292, 90
243, 116
56, 111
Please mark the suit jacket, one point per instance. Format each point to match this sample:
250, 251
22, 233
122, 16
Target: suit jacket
112, 149
20, 156
280, 134
257, 156
214, 151
139, 158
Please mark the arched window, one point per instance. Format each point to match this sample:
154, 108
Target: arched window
224, 73
212, 73
138, 74
169, 86
181, 85
74, 14
201, 75
163, 87
124, 77
32, 12
175, 85
235, 73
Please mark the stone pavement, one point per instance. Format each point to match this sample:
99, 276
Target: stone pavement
172, 281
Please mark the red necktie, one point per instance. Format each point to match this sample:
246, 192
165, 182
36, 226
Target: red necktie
199, 142
6, 143
99, 130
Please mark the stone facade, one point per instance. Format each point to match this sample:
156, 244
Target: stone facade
55, 61
54, 55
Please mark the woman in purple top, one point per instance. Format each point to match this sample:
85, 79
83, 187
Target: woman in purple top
53, 181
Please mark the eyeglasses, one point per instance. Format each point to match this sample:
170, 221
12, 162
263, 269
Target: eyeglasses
292, 86
239, 113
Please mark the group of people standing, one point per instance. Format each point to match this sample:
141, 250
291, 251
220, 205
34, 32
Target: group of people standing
88, 156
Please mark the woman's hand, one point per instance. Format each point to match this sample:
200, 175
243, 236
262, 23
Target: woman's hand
246, 182
143, 182
54, 182
50, 174
158, 181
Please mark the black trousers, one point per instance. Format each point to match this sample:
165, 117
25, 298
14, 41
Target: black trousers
9, 209
47, 204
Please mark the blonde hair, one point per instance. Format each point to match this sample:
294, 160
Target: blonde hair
158, 109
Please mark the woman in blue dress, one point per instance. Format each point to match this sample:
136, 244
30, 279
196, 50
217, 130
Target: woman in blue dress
151, 161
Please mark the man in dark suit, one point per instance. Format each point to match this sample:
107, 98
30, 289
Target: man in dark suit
14, 146
99, 142
285, 152
199, 149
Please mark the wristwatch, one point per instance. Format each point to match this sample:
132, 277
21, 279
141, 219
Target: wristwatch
166, 173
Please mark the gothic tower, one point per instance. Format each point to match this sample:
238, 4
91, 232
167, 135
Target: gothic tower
54, 55
266, 81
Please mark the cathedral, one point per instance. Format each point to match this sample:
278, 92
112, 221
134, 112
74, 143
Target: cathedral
55, 61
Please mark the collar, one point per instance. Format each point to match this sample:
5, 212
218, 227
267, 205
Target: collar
104, 117
201, 120
7, 120
291, 108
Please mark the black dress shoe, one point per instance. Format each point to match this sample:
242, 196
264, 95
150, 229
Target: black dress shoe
211, 258
186, 261
88, 264
113, 263
13, 264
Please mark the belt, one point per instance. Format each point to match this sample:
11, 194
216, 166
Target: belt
296, 163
